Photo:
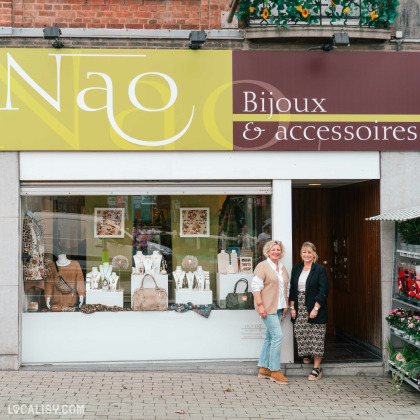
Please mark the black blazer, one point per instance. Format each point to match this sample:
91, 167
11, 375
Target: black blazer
316, 291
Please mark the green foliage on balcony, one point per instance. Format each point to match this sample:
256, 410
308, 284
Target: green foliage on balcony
371, 13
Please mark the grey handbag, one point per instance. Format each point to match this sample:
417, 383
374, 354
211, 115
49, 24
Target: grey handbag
240, 300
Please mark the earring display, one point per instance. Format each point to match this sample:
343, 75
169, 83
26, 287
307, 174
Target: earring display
245, 265
222, 262
234, 261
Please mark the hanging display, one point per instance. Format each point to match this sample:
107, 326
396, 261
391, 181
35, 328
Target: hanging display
109, 223
195, 222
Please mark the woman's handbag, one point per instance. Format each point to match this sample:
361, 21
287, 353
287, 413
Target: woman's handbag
240, 300
149, 299
61, 285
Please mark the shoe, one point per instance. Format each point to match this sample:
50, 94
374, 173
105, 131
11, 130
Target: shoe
279, 378
306, 360
315, 374
264, 373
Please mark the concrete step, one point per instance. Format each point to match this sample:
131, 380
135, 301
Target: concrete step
240, 367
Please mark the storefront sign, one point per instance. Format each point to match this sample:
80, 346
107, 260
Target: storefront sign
330, 101
208, 100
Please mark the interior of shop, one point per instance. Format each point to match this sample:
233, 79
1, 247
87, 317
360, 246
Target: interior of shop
332, 216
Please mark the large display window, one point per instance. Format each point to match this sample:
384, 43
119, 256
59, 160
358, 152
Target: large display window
99, 249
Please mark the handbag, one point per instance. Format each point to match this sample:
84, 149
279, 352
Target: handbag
240, 300
149, 298
61, 285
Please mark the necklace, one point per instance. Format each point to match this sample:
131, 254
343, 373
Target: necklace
179, 277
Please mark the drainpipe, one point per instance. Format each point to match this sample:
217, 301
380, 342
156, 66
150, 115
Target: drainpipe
400, 41
234, 5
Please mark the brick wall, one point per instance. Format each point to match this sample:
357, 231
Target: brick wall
113, 14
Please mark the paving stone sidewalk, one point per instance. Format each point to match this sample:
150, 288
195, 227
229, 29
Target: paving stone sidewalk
157, 395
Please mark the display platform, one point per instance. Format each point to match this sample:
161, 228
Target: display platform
196, 297
105, 298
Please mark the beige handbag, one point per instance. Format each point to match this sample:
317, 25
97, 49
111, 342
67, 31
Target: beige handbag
149, 298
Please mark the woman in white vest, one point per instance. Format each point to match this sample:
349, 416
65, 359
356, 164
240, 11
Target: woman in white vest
269, 285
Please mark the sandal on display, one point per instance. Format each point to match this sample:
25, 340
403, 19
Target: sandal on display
306, 360
315, 374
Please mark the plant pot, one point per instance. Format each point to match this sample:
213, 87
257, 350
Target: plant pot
411, 248
417, 249
403, 246
398, 332
412, 339
417, 343
406, 336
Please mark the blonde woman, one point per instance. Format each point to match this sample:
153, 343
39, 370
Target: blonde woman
308, 307
269, 285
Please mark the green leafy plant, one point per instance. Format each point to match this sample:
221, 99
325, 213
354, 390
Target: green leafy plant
410, 231
372, 13
406, 362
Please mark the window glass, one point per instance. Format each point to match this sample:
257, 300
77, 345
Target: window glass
97, 249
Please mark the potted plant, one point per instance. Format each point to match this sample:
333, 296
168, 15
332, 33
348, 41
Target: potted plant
409, 231
396, 320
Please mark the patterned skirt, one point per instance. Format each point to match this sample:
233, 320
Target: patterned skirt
310, 337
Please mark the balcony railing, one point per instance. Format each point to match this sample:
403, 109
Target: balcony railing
285, 13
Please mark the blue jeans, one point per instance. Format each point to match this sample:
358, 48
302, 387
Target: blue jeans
271, 350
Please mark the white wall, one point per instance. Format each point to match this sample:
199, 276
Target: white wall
400, 188
142, 336
83, 166
9, 260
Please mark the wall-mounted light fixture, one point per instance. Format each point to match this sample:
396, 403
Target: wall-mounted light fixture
340, 39
53, 32
197, 39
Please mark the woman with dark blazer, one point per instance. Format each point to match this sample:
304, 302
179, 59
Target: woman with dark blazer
308, 307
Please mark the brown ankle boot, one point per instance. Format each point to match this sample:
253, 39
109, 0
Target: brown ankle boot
264, 373
278, 377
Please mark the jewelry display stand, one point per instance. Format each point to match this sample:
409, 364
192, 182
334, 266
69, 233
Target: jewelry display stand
225, 284
105, 298
161, 280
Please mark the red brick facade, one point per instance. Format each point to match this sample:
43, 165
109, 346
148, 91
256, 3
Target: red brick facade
113, 14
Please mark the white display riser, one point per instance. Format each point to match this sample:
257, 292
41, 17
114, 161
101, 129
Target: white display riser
141, 336
105, 298
161, 280
225, 284
196, 297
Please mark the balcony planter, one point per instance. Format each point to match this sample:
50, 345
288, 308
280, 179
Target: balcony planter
285, 13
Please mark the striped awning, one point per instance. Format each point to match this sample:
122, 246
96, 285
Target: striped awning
398, 215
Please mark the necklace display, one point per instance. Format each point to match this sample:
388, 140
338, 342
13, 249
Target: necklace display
94, 279
62, 261
138, 259
148, 263
156, 260
179, 278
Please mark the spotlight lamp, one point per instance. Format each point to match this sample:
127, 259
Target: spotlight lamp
53, 32
340, 39
197, 39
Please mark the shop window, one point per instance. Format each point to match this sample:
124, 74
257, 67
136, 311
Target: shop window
102, 247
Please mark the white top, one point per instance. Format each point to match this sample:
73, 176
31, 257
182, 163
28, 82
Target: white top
257, 284
302, 280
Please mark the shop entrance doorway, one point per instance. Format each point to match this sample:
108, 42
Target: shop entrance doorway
333, 218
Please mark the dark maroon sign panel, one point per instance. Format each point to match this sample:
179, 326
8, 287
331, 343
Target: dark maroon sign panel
335, 100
